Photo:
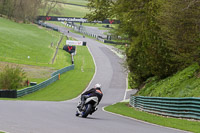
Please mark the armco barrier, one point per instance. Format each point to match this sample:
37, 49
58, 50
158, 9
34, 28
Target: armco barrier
175, 107
61, 71
54, 77
46, 25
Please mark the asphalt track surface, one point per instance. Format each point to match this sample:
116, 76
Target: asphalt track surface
59, 117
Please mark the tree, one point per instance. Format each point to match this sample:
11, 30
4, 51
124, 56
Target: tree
182, 29
99, 9
27, 10
48, 6
164, 34
20, 10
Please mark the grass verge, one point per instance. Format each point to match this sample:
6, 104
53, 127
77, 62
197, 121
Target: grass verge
123, 109
71, 84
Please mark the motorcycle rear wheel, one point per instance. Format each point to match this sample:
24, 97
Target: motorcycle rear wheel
87, 111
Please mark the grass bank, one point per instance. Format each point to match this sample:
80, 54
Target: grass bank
26, 43
71, 84
124, 109
185, 83
20, 41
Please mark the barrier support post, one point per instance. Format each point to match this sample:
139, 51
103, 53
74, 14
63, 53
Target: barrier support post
59, 76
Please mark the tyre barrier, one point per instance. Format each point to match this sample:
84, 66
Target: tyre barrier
8, 93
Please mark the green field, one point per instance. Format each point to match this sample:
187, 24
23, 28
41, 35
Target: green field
62, 60
20, 41
124, 109
71, 84
64, 10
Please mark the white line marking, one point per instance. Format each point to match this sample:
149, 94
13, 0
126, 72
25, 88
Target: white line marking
118, 54
3, 131
141, 120
126, 88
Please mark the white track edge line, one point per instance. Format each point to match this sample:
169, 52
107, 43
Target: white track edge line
126, 88
4, 131
141, 120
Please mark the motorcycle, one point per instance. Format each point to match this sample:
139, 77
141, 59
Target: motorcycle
89, 107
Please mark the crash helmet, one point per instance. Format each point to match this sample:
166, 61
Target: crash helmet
97, 86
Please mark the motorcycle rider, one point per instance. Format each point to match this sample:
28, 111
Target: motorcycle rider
96, 91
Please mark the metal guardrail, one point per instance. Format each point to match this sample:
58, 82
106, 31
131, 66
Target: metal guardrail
63, 70
188, 107
46, 25
54, 77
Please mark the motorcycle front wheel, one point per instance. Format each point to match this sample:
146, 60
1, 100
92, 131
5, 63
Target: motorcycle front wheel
77, 114
87, 111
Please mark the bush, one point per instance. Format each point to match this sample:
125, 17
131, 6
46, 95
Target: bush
11, 78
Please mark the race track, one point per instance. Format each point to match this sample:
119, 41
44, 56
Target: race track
59, 117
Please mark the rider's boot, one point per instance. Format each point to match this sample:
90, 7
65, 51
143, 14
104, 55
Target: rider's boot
81, 105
